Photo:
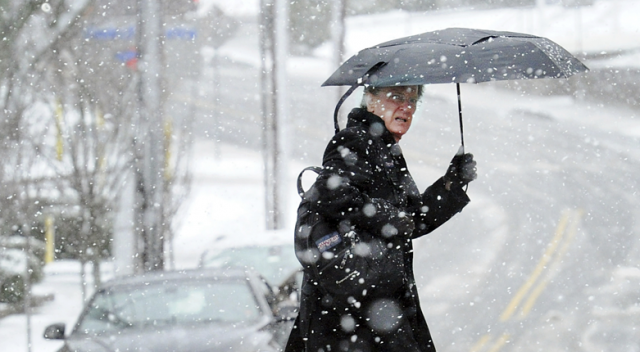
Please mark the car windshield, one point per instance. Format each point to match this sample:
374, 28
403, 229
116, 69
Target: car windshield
183, 303
274, 263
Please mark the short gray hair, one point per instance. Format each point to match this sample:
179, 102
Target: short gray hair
375, 90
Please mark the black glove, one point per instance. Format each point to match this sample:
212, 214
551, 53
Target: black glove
461, 171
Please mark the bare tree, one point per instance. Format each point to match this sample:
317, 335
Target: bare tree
69, 116
28, 30
100, 128
94, 97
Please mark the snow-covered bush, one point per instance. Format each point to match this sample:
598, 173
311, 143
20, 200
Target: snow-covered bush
14, 258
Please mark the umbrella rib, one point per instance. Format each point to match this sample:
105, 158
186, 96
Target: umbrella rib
335, 112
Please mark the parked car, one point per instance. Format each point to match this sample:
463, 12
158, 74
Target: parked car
277, 263
195, 310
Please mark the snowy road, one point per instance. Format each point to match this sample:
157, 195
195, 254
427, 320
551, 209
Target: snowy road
556, 216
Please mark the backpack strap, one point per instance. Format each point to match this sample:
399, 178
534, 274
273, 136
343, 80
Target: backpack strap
316, 169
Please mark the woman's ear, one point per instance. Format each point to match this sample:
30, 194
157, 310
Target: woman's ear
367, 99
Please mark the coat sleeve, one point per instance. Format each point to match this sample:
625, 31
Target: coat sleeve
347, 174
438, 205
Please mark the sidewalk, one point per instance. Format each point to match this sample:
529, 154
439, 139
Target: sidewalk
62, 283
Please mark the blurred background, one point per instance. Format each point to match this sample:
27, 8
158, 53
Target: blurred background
156, 135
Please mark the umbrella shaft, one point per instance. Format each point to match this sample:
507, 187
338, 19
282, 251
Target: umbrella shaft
460, 116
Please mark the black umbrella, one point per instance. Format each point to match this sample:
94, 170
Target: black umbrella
455, 55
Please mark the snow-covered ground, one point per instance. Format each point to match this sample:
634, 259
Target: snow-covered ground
222, 186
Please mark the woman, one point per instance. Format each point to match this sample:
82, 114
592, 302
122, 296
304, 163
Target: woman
365, 184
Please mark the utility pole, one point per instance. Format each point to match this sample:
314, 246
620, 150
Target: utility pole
26, 228
149, 139
274, 48
541, 11
266, 104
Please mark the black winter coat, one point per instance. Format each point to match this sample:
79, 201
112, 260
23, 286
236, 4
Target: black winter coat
366, 182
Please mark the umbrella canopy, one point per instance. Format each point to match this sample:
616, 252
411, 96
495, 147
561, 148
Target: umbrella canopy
457, 55
454, 55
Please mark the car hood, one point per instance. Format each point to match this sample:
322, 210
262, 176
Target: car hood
176, 338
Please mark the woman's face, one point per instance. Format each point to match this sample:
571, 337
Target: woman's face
395, 106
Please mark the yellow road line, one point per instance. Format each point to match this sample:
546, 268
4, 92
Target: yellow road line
501, 342
478, 345
526, 308
571, 233
546, 257
548, 264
